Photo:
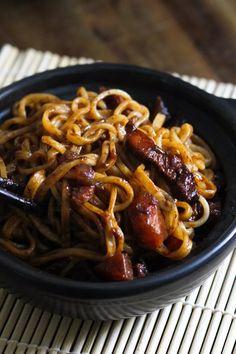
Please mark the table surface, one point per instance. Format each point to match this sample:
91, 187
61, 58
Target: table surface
189, 37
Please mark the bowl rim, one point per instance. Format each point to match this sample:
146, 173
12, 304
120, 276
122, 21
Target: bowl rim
67, 287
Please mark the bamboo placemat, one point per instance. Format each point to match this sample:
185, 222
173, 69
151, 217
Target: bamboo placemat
203, 322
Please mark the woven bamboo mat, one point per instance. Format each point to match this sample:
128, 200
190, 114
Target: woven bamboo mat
203, 322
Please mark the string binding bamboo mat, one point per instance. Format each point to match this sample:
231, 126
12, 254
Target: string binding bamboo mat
203, 322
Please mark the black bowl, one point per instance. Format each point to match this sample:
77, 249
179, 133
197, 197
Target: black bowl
213, 118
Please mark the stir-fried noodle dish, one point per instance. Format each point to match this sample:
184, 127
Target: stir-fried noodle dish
122, 189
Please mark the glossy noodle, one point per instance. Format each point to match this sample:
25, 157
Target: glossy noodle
108, 200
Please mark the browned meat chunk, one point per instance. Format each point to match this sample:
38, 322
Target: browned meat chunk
215, 212
112, 101
117, 267
147, 221
197, 211
68, 156
83, 174
82, 194
179, 178
140, 270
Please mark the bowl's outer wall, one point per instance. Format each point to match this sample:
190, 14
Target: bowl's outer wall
211, 118
110, 309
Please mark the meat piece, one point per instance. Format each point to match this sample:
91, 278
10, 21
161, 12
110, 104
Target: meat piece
68, 156
197, 211
180, 179
117, 267
147, 221
82, 194
112, 101
215, 212
83, 174
160, 107
140, 269
130, 126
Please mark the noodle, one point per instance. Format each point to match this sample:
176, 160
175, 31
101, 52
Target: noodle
72, 156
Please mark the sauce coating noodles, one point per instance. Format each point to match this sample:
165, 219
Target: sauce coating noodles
108, 199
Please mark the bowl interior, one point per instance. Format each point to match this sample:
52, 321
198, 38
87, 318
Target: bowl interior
211, 119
